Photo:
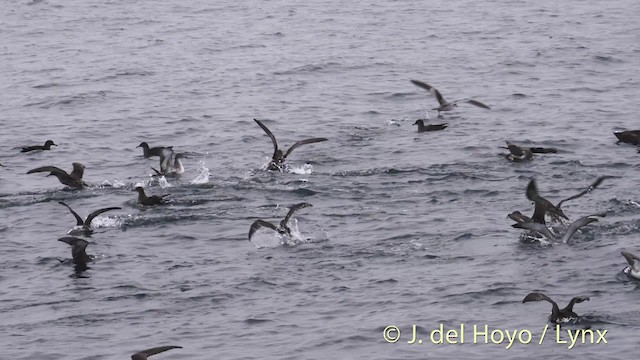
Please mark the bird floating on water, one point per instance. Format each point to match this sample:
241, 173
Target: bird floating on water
143, 199
47, 146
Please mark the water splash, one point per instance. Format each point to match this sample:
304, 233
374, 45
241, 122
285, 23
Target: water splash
305, 169
203, 174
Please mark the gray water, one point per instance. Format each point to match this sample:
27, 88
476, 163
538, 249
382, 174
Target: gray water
405, 228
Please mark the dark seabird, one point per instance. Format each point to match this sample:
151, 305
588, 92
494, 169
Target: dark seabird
142, 355
170, 163
47, 146
517, 153
557, 315
278, 158
571, 230
542, 205
149, 200
431, 127
78, 250
444, 105
633, 270
283, 228
74, 179
148, 152
629, 137
86, 224
520, 153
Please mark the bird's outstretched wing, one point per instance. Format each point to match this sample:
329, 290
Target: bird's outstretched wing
98, 212
431, 90
142, 355
303, 142
258, 224
295, 208
576, 225
50, 169
585, 191
79, 221
273, 138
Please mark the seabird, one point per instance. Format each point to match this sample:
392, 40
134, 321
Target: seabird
520, 153
542, 205
278, 158
444, 105
633, 270
142, 355
544, 230
148, 152
557, 315
149, 200
78, 250
431, 127
282, 228
74, 179
629, 137
86, 224
170, 163
47, 146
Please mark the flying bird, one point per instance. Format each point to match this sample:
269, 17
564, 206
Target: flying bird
445, 105
277, 162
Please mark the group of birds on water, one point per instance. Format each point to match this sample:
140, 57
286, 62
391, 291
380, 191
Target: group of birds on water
171, 165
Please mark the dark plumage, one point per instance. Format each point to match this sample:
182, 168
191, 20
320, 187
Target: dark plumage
445, 105
47, 146
148, 152
431, 127
86, 224
73, 180
149, 200
542, 205
78, 250
557, 315
278, 158
142, 355
282, 228
629, 137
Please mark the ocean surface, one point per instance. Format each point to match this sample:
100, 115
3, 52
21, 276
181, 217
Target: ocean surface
406, 228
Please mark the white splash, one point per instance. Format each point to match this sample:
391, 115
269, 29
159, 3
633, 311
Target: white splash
163, 182
203, 174
305, 169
